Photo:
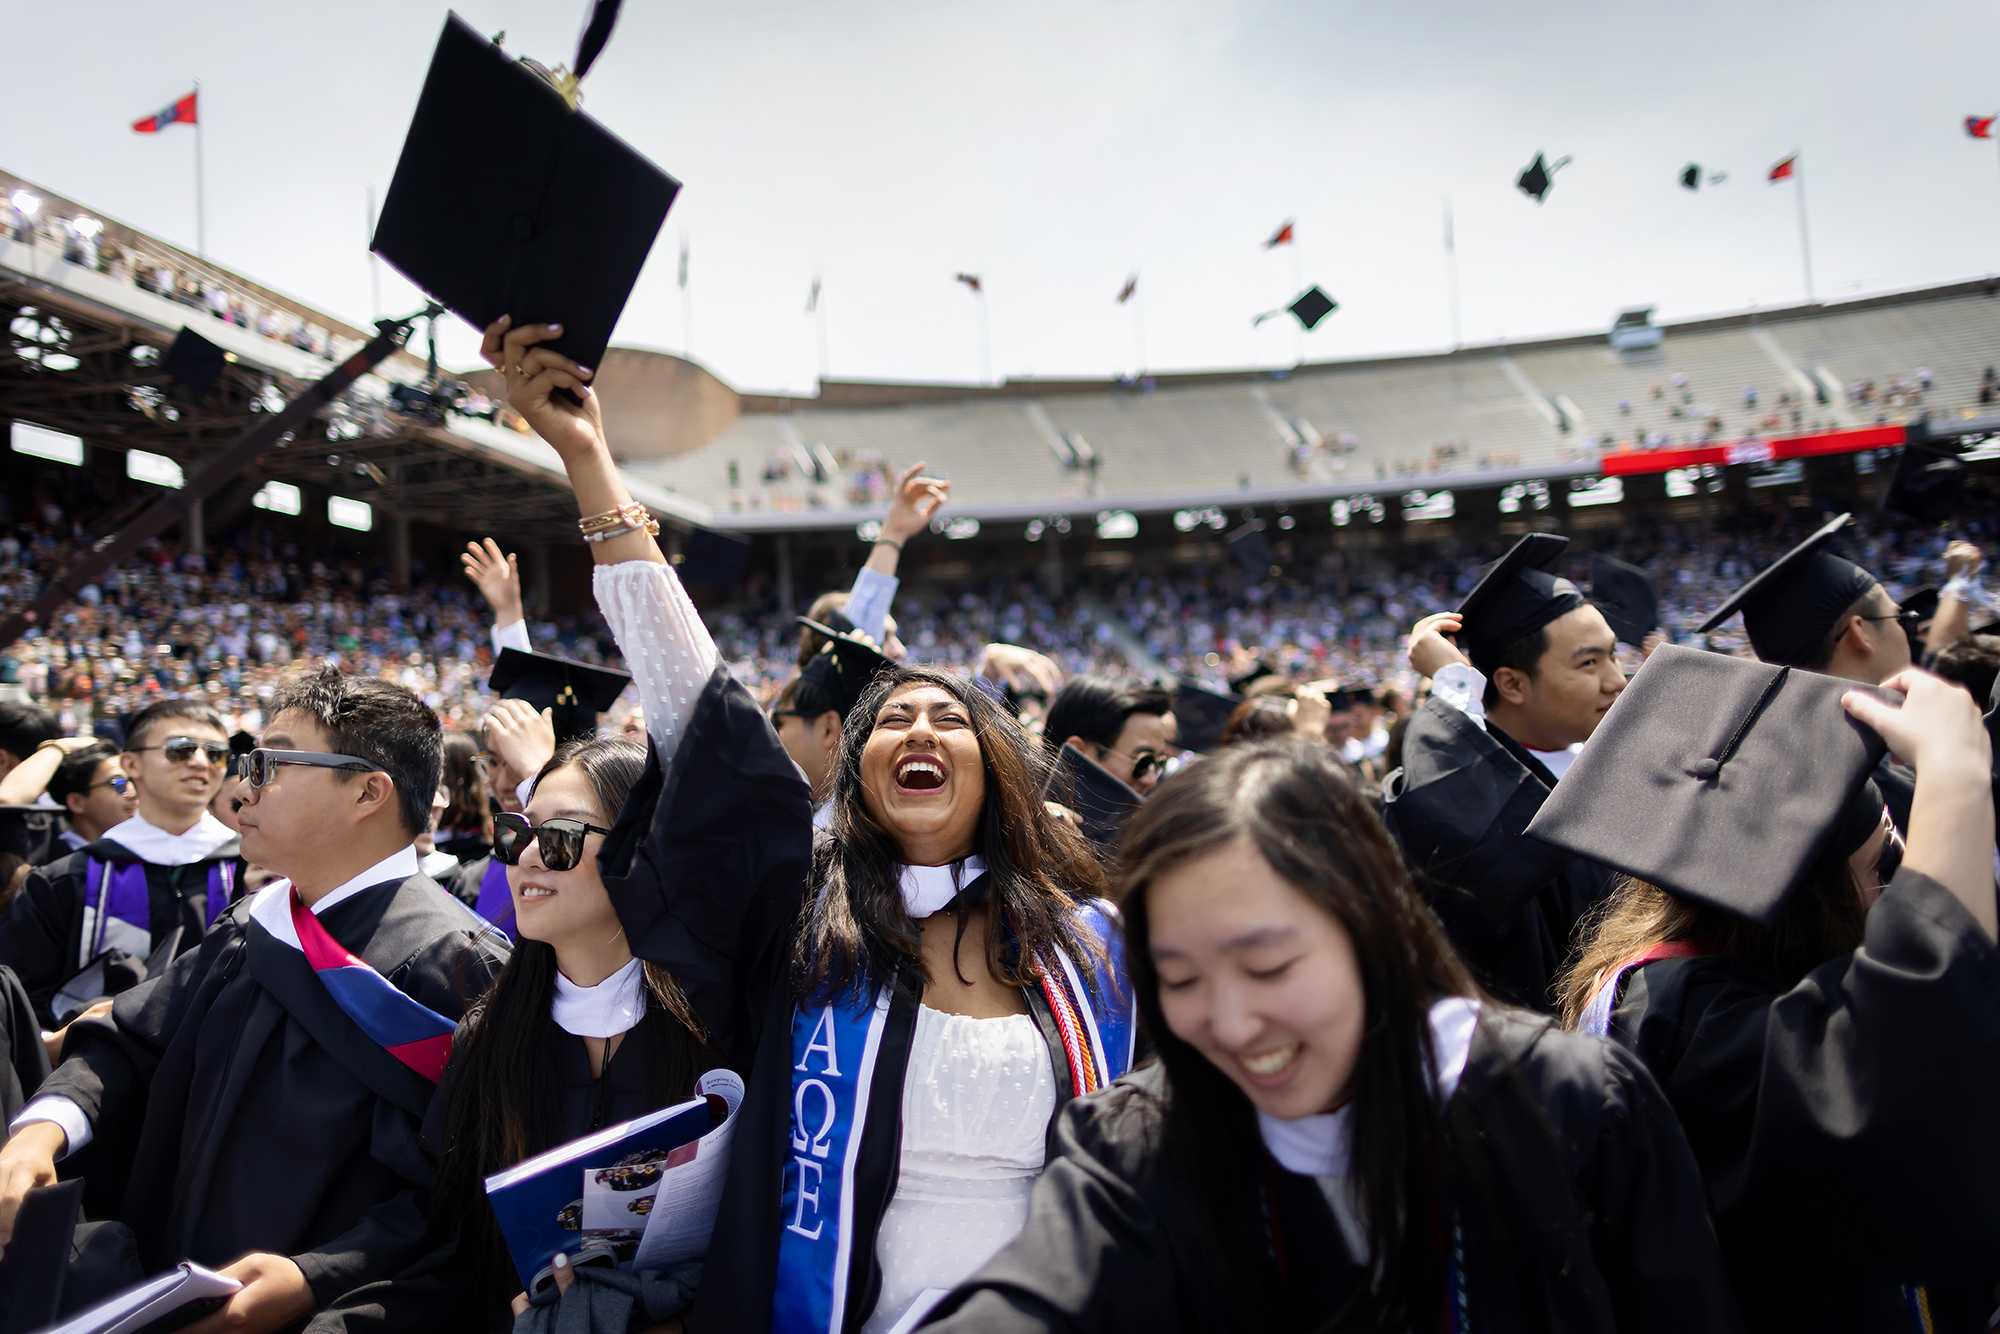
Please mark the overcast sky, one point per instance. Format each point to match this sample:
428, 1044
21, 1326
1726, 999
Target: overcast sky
1055, 148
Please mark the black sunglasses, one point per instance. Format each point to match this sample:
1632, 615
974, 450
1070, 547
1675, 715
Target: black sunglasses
261, 766
560, 841
183, 748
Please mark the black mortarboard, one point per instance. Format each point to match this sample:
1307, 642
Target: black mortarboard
1102, 803
1252, 550
508, 202
1926, 482
1515, 598
1789, 607
1627, 596
1923, 601
1717, 778
1534, 182
1313, 306
712, 559
240, 744
845, 668
193, 361
1202, 714
574, 692
1691, 177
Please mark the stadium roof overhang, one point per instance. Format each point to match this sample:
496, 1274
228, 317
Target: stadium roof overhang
78, 354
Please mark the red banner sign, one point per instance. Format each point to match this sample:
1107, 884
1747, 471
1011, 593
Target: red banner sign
1629, 462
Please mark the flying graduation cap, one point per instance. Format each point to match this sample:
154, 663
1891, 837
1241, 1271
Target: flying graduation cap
193, 361
507, 200
1309, 309
1792, 604
1535, 181
846, 667
1927, 480
1627, 596
1691, 177
574, 692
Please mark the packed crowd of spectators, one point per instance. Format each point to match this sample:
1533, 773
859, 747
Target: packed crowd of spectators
231, 624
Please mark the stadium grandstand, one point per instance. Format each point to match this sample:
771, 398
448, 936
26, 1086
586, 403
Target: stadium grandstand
1163, 524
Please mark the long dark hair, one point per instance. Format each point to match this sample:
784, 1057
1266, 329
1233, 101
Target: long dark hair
1822, 919
506, 1093
1038, 868
470, 814
1310, 823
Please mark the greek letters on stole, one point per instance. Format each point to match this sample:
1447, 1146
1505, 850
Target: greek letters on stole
834, 1051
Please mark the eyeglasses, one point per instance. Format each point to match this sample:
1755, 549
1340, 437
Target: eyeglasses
118, 783
1143, 763
181, 749
261, 766
560, 841
1909, 616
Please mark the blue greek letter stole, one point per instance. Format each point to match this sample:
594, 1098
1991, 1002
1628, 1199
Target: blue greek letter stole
834, 1056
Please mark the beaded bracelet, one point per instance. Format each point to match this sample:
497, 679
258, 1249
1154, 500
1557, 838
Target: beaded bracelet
631, 517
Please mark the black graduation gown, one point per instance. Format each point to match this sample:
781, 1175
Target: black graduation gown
1612, 1200
24, 1060
1459, 809
1844, 1127
43, 932
241, 1109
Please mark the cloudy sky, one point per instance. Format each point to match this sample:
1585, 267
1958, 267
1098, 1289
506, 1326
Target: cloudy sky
1056, 148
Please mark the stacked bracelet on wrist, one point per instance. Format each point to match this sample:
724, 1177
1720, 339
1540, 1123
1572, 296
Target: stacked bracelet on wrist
631, 517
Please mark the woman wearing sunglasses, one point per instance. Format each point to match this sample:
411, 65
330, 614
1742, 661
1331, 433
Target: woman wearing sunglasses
943, 988
653, 881
1342, 1132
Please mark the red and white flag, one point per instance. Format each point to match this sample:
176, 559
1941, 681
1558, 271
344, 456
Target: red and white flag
180, 113
1783, 169
970, 280
1283, 236
1979, 127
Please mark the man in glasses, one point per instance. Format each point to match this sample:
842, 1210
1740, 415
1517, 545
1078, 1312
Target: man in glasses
170, 866
1111, 740
258, 1107
91, 787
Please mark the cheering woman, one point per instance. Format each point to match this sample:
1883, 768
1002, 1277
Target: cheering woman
1341, 1133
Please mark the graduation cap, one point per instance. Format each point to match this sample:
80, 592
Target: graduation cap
1719, 779
1202, 713
845, 668
1252, 550
712, 559
1309, 309
1926, 482
1691, 177
240, 744
1627, 596
1789, 607
508, 201
575, 692
1923, 601
193, 362
1515, 598
1535, 181
1102, 803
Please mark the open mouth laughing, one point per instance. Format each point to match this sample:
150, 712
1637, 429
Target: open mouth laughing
920, 773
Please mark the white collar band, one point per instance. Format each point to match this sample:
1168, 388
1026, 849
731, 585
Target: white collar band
613, 1006
157, 846
926, 889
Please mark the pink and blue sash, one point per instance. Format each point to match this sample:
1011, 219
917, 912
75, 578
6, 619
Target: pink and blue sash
408, 1030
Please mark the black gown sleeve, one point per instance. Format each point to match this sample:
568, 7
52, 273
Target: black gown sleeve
707, 863
37, 937
1853, 1115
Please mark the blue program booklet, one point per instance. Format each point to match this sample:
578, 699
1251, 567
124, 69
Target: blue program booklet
601, 1190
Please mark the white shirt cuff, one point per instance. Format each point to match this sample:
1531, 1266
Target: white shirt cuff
1463, 687
511, 636
868, 602
59, 1111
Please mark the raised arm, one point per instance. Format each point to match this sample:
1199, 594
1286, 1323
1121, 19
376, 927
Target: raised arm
659, 632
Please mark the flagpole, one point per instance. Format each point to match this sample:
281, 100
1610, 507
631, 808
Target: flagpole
1451, 275
1805, 242
1298, 330
985, 341
200, 208
819, 315
1139, 331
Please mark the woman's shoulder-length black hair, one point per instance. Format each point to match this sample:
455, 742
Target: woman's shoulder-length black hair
1303, 813
1038, 867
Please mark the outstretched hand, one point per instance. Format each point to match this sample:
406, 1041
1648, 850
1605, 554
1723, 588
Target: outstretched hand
1937, 725
533, 375
1018, 667
1429, 651
914, 505
522, 739
497, 577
